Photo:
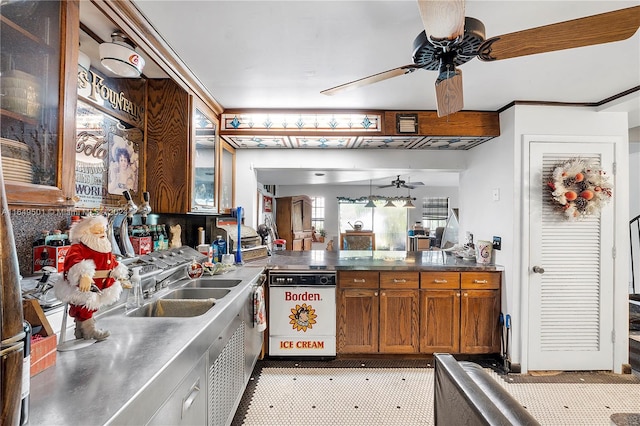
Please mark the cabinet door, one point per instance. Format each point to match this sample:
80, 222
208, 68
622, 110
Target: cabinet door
479, 321
399, 321
439, 321
307, 244
204, 143
187, 405
394, 280
357, 321
227, 191
296, 216
358, 279
38, 102
297, 245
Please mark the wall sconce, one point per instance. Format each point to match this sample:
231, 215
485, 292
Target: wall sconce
119, 57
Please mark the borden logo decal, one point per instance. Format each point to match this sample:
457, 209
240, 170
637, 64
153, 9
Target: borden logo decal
302, 317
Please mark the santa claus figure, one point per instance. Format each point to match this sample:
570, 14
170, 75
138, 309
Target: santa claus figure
91, 276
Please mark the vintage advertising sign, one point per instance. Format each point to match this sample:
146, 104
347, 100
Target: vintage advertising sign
302, 321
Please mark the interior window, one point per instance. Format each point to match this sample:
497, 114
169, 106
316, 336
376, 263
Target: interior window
388, 223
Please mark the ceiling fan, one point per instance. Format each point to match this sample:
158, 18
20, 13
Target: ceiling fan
399, 183
450, 40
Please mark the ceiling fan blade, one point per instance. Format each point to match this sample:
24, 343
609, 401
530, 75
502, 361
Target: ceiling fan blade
406, 69
442, 19
596, 29
417, 183
386, 186
449, 94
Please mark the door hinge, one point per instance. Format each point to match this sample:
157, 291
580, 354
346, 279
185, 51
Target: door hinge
613, 252
615, 168
613, 336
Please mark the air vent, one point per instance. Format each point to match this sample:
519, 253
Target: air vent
407, 123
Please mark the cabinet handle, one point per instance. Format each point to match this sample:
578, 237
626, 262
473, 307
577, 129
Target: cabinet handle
458, 294
440, 281
480, 281
375, 293
359, 280
395, 280
191, 397
465, 294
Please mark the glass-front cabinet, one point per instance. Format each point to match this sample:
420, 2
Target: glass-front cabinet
227, 178
37, 40
204, 158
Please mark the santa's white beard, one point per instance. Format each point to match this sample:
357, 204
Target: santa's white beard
97, 243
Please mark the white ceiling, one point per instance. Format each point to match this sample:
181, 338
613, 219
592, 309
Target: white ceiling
281, 54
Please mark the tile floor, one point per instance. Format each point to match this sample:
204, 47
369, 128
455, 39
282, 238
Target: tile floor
295, 393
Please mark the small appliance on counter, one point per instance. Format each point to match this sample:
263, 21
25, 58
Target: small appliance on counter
250, 242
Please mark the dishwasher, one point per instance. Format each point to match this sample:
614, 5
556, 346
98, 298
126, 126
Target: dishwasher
302, 313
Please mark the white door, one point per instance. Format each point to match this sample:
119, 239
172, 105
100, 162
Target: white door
571, 296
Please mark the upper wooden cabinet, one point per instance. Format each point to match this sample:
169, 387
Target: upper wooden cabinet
38, 45
168, 119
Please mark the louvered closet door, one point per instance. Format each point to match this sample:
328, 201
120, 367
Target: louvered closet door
571, 303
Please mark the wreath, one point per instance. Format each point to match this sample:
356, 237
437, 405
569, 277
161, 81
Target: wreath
578, 188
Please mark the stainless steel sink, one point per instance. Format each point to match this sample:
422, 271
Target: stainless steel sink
197, 293
174, 308
212, 283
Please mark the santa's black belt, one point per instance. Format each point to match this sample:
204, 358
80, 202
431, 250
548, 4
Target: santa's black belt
103, 273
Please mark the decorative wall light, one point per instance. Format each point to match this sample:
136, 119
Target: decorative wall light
119, 56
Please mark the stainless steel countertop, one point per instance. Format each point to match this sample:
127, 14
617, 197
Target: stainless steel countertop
430, 260
100, 383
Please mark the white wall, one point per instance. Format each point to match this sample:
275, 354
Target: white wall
498, 163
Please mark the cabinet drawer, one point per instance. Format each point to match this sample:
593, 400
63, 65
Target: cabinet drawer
399, 280
358, 279
481, 280
436, 280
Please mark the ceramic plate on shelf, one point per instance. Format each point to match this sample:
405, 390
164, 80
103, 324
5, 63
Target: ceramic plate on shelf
15, 150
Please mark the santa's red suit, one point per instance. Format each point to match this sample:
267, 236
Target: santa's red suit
105, 270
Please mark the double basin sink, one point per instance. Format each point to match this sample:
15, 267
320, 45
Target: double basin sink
191, 299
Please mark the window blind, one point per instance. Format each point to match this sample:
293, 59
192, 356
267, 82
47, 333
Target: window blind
435, 208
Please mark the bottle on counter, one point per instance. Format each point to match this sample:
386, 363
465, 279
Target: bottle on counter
213, 253
57, 239
221, 245
155, 238
41, 240
134, 298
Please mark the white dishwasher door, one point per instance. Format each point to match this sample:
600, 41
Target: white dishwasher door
302, 320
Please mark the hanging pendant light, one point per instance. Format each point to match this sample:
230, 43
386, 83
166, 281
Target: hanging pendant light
389, 203
370, 203
408, 204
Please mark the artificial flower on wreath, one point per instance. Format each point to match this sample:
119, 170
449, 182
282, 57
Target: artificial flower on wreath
578, 188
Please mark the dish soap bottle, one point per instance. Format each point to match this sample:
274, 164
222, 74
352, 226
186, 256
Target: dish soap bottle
134, 299
221, 246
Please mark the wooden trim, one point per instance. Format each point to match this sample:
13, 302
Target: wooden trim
572, 104
133, 23
464, 123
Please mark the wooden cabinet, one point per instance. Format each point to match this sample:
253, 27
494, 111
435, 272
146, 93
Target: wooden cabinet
440, 312
411, 312
357, 240
293, 221
38, 102
378, 312
168, 147
480, 312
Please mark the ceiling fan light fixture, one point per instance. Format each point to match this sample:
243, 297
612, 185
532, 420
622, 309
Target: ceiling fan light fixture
443, 20
119, 56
